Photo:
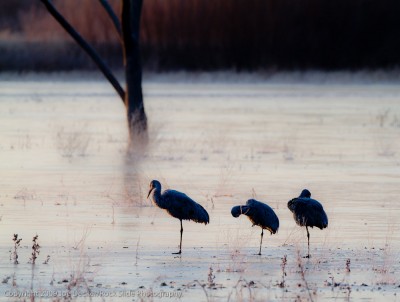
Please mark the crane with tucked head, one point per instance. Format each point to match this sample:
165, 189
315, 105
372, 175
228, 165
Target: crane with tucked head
178, 205
308, 212
259, 214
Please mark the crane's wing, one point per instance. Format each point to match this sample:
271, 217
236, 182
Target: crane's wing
183, 207
262, 215
309, 212
321, 219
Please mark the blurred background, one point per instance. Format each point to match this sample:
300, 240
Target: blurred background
239, 35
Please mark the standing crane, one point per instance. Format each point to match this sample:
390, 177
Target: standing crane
178, 205
259, 214
308, 212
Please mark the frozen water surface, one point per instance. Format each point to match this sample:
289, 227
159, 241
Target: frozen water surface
65, 176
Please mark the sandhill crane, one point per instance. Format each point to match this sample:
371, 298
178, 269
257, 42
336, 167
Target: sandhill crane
308, 212
259, 214
178, 205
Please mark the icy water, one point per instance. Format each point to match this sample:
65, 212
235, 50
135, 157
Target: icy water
66, 177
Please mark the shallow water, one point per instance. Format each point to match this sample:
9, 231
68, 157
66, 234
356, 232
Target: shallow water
66, 176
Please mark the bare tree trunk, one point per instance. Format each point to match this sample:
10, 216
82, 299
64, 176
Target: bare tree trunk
132, 96
137, 120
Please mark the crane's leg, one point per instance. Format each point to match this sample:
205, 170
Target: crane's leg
308, 242
180, 244
262, 234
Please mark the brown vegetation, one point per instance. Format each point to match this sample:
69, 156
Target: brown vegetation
198, 34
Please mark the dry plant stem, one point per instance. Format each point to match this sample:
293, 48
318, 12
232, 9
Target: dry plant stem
244, 284
113, 214
17, 242
77, 276
35, 250
211, 278
303, 275
203, 286
32, 297
235, 287
81, 242
348, 265
137, 251
283, 266
47, 260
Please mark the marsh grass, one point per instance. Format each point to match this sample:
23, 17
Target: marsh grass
386, 120
243, 290
79, 244
210, 286
226, 180
382, 117
25, 194
78, 277
79, 273
385, 147
384, 269
234, 247
22, 142
114, 203
135, 194
72, 143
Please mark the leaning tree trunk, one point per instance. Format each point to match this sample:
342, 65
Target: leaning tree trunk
137, 120
132, 97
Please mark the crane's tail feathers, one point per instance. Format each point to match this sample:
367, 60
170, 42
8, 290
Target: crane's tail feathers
324, 224
201, 216
272, 231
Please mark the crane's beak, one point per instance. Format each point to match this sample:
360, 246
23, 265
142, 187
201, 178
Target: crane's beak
151, 190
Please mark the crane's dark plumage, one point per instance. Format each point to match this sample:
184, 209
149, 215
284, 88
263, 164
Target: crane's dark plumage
259, 214
308, 212
178, 205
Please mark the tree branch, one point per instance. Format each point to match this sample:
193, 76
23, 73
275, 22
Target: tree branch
86, 47
113, 16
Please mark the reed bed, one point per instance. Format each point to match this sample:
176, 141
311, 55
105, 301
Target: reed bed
228, 34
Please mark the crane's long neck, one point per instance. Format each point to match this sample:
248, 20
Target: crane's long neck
158, 199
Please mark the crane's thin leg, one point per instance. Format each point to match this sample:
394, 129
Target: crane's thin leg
308, 242
180, 244
262, 234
